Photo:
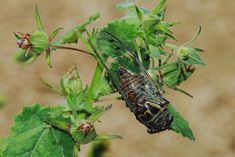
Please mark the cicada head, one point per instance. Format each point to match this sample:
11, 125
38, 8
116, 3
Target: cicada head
154, 116
161, 123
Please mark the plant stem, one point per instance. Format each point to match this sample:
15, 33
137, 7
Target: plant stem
71, 48
139, 55
76, 149
98, 71
96, 77
99, 67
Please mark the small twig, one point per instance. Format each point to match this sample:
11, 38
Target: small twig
71, 48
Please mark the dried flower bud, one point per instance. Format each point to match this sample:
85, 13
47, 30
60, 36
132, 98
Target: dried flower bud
84, 132
86, 127
23, 41
36, 42
190, 68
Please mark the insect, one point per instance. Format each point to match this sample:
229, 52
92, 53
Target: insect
137, 89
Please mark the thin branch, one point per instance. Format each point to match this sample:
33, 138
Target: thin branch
71, 48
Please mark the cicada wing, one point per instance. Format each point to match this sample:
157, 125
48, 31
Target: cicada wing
112, 64
122, 55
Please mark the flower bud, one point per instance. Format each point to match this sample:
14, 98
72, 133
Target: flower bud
84, 133
23, 41
182, 53
71, 81
36, 42
86, 127
39, 41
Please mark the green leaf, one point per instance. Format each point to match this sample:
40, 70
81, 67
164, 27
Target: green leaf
107, 137
199, 50
55, 32
101, 88
194, 38
72, 35
20, 57
69, 37
120, 29
163, 29
181, 91
155, 51
149, 24
125, 5
31, 59
125, 62
90, 20
156, 40
48, 57
17, 36
54, 88
38, 19
169, 24
85, 106
115, 40
187, 54
194, 58
179, 124
3, 143
172, 46
159, 7
139, 13
173, 75
76, 103
171, 79
132, 16
58, 117
98, 113
31, 137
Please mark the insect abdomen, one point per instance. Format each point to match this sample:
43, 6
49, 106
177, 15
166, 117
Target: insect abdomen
131, 85
149, 110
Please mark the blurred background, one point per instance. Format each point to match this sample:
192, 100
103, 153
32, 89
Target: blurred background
211, 112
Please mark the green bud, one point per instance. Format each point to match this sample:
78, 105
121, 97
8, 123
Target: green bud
84, 133
39, 41
71, 82
182, 53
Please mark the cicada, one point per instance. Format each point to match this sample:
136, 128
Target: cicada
135, 85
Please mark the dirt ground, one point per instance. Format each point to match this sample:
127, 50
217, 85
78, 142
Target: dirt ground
211, 113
